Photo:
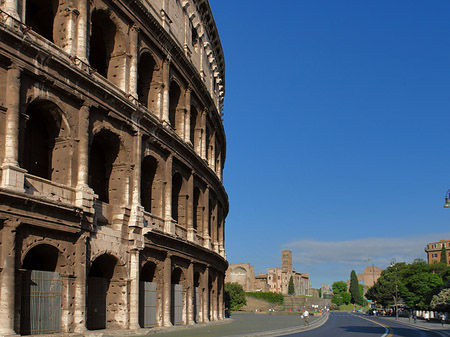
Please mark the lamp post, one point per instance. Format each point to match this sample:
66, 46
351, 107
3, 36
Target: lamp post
394, 263
447, 199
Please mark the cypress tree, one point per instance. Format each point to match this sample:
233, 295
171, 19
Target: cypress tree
443, 255
291, 289
354, 287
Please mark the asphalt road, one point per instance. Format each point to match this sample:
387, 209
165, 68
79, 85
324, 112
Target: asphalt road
353, 325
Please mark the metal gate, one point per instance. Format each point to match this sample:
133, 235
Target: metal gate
41, 302
196, 304
177, 304
147, 305
96, 303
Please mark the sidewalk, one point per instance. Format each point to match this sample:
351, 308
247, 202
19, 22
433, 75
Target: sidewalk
433, 325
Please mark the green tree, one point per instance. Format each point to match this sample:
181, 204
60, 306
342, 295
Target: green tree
339, 287
416, 284
235, 295
443, 255
361, 294
354, 288
291, 289
320, 292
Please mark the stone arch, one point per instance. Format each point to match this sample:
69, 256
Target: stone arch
177, 205
152, 183
196, 128
147, 83
46, 134
106, 286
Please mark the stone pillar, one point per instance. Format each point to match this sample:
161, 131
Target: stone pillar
166, 85
12, 175
10, 8
80, 285
134, 289
84, 194
206, 219
71, 16
220, 296
65, 305
204, 140
7, 278
12, 102
190, 208
169, 225
167, 290
134, 50
212, 159
82, 51
206, 299
136, 218
187, 120
190, 294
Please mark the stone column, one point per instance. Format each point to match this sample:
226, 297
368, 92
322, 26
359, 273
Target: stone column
82, 47
187, 120
190, 294
10, 8
7, 277
190, 208
134, 289
166, 85
134, 50
206, 219
79, 316
12, 176
169, 225
212, 159
12, 102
204, 140
206, 299
220, 296
84, 194
136, 218
167, 290
71, 16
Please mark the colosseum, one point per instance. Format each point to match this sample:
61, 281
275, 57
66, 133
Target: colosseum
112, 146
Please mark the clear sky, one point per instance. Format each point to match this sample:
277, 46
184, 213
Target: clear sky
337, 115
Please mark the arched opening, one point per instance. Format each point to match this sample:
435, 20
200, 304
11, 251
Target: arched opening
147, 295
40, 16
177, 297
197, 297
151, 195
174, 101
102, 300
41, 297
42, 129
102, 41
146, 69
103, 153
177, 183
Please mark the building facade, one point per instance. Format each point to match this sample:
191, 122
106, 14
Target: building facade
243, 274
112, 146
278, 278
434, 250
369, 276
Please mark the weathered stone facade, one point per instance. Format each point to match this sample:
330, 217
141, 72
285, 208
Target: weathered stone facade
242, 273
111, 151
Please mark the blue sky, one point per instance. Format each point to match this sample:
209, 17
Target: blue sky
337, 116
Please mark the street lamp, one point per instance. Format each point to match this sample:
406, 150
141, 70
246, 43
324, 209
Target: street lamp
447, 199
394, 263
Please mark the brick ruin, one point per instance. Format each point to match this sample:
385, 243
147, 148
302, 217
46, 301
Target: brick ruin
112, 148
